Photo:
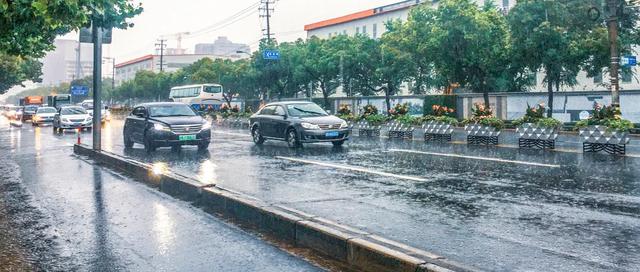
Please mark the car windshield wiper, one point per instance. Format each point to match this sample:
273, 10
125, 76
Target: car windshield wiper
309, 112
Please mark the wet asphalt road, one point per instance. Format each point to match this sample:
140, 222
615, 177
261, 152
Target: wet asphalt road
62, 213
498, 209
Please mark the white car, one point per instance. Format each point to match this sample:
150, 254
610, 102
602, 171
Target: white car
44, 115
105, 115
72, 117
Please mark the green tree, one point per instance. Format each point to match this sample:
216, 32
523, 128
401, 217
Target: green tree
14, 70
469, 45
322, 65
30, 27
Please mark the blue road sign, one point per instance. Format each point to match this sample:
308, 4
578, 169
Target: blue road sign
271, 55
79, 90
628, 61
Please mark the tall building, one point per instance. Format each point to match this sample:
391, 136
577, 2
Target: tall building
61, 64
222, 47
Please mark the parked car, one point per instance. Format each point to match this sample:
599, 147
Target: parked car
28, 112
71, 117
297, 123
44, 115
166, 124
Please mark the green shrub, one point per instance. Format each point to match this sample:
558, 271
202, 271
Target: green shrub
608, 116
376, 119
406, 119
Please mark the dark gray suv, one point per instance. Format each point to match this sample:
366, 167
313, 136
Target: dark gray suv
166, 124
297, 123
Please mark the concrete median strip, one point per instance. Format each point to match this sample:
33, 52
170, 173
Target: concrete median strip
352, 247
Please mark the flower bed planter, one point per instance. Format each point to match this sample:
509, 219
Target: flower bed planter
400, 131
367, 130
601, 138
535, 136
437, 131
481, 135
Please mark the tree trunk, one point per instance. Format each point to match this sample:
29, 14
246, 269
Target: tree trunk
325, 95
485, 96
387, 98
550, 94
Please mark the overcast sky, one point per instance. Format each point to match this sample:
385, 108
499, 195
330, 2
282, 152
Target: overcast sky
162, 17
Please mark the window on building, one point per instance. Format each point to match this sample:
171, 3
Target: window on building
364, 29
357, 30
505, 4
626, 75
597, 79
344, 32
374, 29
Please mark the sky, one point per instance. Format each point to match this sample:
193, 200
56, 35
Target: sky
165, 17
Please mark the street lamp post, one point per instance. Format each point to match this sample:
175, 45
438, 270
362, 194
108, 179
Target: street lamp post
612, 26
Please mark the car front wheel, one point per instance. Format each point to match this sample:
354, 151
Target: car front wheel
338, 143
257, 137
292, 139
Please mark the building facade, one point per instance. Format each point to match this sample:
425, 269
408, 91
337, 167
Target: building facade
68, 61
372, 23
127, 70
222, 47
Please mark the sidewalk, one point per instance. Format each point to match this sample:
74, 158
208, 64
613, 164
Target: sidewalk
101, 221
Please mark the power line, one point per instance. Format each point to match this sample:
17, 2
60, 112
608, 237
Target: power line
227, 21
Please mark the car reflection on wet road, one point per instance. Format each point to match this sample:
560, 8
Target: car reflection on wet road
499, 209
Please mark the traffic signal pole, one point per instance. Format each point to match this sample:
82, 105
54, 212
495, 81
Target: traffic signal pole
97, 85
612, 26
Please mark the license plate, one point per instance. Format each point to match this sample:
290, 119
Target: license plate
332, 134
186, 137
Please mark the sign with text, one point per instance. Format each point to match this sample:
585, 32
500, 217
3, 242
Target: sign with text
79, 90
628, 61
271, 55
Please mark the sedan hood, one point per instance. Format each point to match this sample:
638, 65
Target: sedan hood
75, 116
179, 120
45, 114
322, 120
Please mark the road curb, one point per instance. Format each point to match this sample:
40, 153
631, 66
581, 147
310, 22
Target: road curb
353, 247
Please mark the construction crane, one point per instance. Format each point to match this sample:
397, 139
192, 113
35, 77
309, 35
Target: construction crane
178, 37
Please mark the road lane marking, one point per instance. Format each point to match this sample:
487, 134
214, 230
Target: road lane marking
352, 168
475, 158
231, 134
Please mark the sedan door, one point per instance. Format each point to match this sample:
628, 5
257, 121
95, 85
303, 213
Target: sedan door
279, 122
266, 121
136, 123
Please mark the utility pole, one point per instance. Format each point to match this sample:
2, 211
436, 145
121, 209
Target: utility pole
97, 83
612, 26
162, 46
267, 8
78, 61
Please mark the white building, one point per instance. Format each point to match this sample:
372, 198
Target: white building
222, 47
60, 65
127, 70
372, 22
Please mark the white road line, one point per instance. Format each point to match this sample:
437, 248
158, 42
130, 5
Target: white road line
231, 133
476, 158
352, 168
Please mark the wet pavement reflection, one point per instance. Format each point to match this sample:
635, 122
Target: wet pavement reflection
502, 209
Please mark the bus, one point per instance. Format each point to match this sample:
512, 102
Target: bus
201, 97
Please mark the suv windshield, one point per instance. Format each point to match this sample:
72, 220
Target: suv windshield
303, 110
71, 111
171, 110
46, 110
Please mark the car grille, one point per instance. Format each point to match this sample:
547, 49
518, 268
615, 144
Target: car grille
186, 129
76, 120
334, 126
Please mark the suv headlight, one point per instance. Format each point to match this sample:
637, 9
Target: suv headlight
309, 125
344, 124
161, 127
206, 125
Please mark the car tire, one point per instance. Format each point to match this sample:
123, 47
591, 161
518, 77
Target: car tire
338, 143
257, 136
148, 145
292, 139
128, 143
203, 146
